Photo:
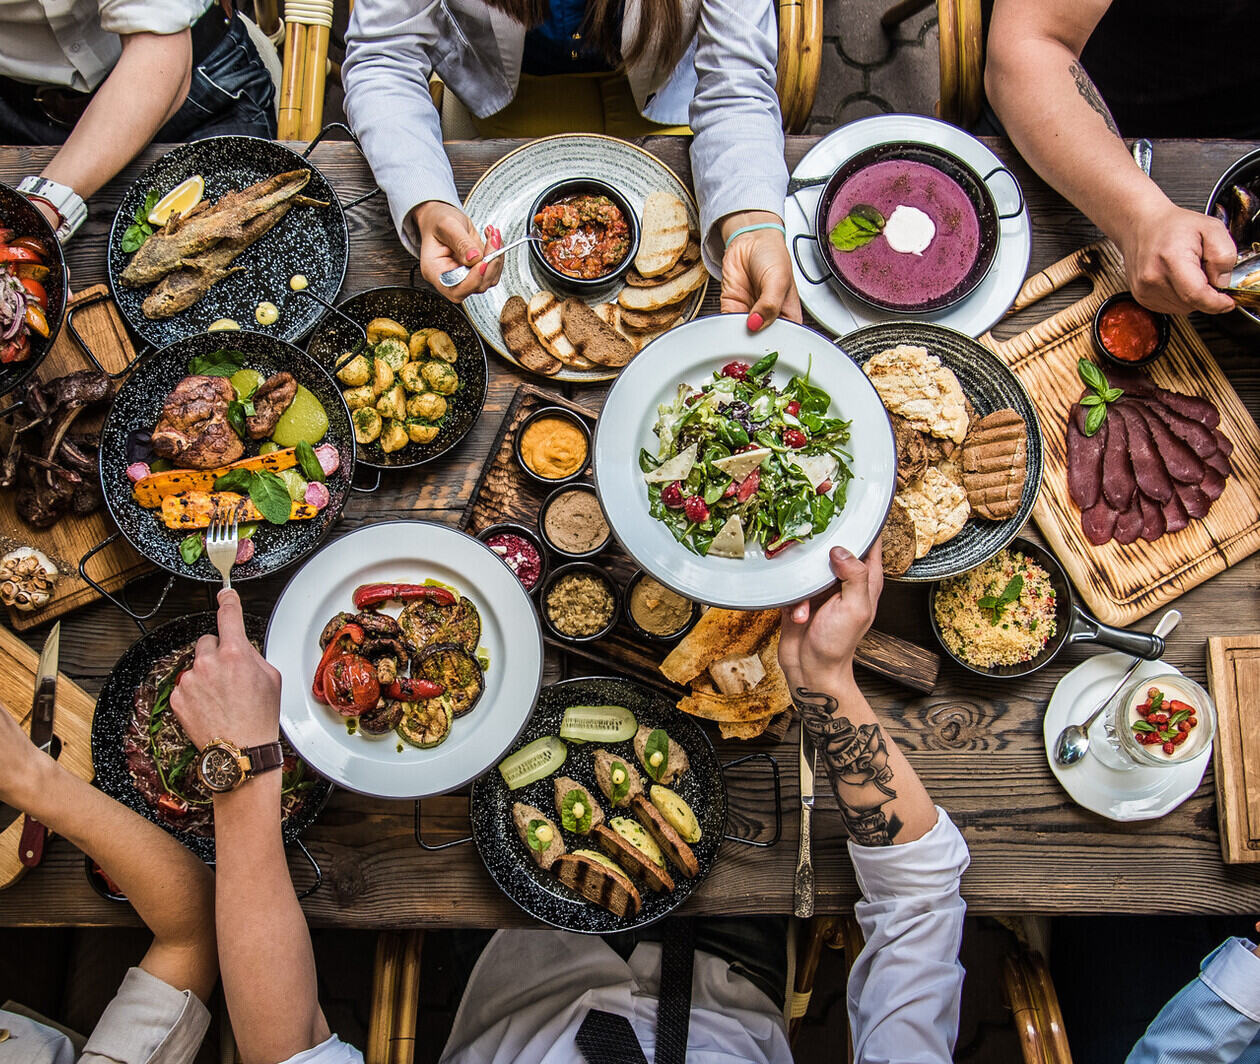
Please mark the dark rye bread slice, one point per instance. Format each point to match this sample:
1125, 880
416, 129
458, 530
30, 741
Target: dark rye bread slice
593, 337
672, 845
995, 463
897, 540
597, 883
632, 859
521, 341
649, 320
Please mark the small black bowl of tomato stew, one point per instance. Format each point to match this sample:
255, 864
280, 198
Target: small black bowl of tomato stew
1126, 334
590, 234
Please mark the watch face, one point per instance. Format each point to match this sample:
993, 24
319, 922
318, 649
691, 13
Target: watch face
219, 769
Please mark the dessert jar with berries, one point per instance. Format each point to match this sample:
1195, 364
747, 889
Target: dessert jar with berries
1161, 721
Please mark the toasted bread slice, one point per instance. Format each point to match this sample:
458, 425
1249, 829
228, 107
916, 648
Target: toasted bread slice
995, 463
594, 338
637, 280
691, 253
545, 319
522, 815
649, 320
598, 883
632, 859
521, 341
610, 314
676, 851
665, 234
676, 760
663, 295
604, 762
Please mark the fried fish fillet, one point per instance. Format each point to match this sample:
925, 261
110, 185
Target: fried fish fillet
164, 252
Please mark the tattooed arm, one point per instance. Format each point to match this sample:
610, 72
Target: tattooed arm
1059, 121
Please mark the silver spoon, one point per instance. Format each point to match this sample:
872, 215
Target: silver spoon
453, 276
1073, 740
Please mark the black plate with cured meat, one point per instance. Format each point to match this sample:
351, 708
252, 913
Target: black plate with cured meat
116, 707
312, 241
506, 857
137, 406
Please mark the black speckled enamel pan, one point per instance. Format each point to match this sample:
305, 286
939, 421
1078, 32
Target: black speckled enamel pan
116, 705
703, 787
312, 241
19, 214
138, 404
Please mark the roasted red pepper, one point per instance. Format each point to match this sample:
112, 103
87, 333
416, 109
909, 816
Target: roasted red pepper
37, 291
16, 253
30, 243
370, 596
350, 685
410, 689
351, 632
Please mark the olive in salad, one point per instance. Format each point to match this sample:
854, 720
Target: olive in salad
741, 460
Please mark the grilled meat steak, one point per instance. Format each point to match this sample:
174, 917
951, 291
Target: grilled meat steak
193, 431
270, 401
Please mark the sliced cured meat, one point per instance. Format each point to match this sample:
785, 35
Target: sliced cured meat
1099, 522
1179, 459
1118, 482
1148, 467
1192, 406
1213, 484
1220, 463
1200, 438
1175, 516
1223, 443
1153, 524
1129, 524
1194, 500
1084, 459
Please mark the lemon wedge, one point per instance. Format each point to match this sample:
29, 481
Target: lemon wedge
181, 199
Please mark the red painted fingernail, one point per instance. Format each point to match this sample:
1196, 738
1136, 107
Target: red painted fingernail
755, 321
498, 239
472, 255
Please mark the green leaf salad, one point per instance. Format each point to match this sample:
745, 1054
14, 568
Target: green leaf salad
741, 460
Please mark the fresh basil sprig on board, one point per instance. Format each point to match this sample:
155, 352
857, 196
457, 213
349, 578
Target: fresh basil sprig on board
1101, 395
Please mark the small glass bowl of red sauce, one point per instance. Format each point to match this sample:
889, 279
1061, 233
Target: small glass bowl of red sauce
590, 235
1126, 334
520, 550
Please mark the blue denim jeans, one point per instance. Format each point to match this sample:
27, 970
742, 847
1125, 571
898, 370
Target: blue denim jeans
230, 92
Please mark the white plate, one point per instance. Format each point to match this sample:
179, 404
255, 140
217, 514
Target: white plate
406, 552
505, 193
841, 312
1139, 793
691, 353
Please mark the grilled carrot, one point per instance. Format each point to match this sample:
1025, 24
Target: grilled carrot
151, 490
188, 510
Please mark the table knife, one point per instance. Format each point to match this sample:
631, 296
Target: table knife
803, 887
34, 834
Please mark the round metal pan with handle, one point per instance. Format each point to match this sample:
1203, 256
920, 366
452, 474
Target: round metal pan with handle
115, 711
703, 787
311, 241
1072, 624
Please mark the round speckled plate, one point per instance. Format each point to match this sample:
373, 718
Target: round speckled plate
503, 197
414, 308
990, 385
408, 552
312, 241
115, 708
540, 893
138, 404
19, 214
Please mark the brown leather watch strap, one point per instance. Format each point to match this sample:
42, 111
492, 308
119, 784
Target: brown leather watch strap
264, 758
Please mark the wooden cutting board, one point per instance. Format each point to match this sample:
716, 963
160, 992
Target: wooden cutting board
72, 725
1124, 583
101, 326
1234, 677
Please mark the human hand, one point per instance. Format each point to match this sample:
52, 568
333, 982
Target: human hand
819, 636
757, 273
230, 692
21, 763
1176, 259
449, 239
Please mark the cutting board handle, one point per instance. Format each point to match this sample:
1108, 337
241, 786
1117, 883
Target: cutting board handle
1090, 264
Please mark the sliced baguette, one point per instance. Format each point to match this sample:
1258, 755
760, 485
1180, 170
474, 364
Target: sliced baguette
648, 320
632, 859
598, 883
663, 295
593, 337
521, 341
545, 319
610, 314
665, 234
637, 280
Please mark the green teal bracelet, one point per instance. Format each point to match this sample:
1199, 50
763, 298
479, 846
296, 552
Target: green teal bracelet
753, 229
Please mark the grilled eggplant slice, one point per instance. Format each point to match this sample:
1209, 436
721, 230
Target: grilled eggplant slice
455, 669
425, 724
377, 625
426, 624
384, 717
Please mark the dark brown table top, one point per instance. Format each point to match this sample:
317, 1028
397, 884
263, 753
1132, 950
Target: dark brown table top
977, 744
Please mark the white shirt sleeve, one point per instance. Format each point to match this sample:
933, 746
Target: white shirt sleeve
333, 1051
906, 985
150, 16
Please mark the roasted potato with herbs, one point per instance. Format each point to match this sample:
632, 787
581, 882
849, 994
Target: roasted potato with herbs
443, 347
355, 372
412, 378
379, 329
418, 345
427, 405
367, 424
394, 437
441, 377
392, 351
357, 397
420, 432
393, 403
382, 376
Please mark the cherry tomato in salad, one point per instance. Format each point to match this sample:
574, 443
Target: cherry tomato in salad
173, 804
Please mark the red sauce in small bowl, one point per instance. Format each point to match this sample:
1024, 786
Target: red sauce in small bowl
584, 236
1129, 331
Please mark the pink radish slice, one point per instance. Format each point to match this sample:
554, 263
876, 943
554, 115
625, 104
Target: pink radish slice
317, 495
138, 471
244, 551
329, 459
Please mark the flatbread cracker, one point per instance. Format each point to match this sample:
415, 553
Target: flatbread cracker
718, 634
913, 383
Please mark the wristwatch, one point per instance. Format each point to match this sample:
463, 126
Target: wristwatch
223, 766
69, 205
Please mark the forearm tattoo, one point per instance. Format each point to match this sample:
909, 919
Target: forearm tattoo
856, 758
1090, 94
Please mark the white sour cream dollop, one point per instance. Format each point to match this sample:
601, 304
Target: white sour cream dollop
908, 230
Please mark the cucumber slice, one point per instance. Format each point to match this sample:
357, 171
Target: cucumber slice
533, 762
598, 724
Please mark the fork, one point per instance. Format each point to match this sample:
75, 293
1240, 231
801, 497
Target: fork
221, 538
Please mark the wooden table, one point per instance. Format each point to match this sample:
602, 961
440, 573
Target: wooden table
976, 744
